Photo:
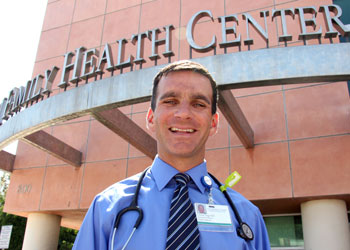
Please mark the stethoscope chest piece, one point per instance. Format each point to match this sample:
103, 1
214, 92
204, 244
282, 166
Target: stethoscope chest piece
245, 231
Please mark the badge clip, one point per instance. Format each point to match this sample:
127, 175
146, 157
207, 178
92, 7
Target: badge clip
232, 180
208, 184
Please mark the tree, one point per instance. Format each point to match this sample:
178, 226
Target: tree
67, 238
19, 223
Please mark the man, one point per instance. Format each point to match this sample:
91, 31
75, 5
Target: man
182, 117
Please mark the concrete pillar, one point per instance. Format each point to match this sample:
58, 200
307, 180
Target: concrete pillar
325, 225
42, 232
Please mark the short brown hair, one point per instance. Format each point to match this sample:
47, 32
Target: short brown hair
184, 65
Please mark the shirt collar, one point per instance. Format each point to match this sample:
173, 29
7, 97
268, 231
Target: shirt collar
163, 173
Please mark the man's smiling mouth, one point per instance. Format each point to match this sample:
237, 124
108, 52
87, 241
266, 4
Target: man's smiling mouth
186, 130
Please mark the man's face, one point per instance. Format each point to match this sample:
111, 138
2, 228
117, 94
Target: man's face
182, 119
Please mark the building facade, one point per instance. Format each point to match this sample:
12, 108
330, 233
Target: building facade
283, 62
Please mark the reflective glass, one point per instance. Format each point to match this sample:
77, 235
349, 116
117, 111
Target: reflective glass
285, 231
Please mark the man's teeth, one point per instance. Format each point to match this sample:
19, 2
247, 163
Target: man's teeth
187, 130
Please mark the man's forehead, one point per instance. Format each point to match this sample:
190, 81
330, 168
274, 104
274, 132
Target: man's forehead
177, 84
183, 71
182, 77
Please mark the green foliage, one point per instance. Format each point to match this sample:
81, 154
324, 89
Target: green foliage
67, 238
19, 223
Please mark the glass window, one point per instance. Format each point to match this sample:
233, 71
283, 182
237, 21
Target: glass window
285, 231
345, 18
345, 6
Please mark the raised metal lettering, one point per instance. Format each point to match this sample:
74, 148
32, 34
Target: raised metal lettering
10, 102
3, 115
121, 52
140, 46
229, 30
190, 28
106, 57
77, 65
34, 89
283, 13
15, 93
89, 62
20, 97
68, 65
250, 19
334, 22
153, 35
168, 52
50, 76
308, 22
37, 88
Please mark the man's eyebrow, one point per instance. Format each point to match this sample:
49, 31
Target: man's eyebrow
201, 97
168, 94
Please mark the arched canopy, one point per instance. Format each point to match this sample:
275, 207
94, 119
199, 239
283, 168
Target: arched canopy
265, 67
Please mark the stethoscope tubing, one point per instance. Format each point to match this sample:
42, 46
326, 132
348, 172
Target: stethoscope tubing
228, 198
134, 207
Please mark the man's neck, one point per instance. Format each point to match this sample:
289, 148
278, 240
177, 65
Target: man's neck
182, 164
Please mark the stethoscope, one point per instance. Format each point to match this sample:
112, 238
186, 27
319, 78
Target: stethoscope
243, 229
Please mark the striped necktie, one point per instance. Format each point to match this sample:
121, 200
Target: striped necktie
183, 230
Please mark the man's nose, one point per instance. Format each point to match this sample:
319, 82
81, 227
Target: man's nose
183, 111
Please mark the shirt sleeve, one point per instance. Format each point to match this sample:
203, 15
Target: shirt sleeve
251, 215
262, 241
93, 234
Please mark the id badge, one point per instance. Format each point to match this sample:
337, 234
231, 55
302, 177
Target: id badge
213, 218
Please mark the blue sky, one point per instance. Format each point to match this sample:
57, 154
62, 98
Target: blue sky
20, 25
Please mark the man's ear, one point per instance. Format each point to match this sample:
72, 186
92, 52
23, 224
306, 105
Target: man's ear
150, 120
214, 124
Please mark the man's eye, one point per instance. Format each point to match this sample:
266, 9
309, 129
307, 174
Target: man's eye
169, 101
199, 105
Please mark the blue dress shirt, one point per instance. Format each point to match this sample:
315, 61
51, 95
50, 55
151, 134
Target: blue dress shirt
154, 198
